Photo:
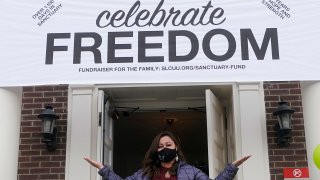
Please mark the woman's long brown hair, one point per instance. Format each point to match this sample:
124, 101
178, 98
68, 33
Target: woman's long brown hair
151, 162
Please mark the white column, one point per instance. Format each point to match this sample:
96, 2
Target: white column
10, 111
82, 129
311, 115
251, 131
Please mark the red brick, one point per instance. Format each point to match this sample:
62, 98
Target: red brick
289, 86
38, 123
285, 164
276, 170
271, 98
31, 129
28, 164
57, 170
279, 177
52, 94
26, 111
297, 146
28, 177
37, 111
279, 91
25, 135
295, 158
30, 117
61, 88
27, 100
299, 139
301, 151
302, 164
59, 109
43, 88
38, 146
50, 153
23, 171
43, 100
30, 153
28, 89
297, 133
50, 164
298, 127
295, 91
61, 122
296, 103
24, 159
272, 177
276, 158
60, 99
297, 121
58, 158
49, 176
271, 86
25, 147
40, 170
40, 158
32, 94
297, 115
29, 141
283, 152
32, 106
290, 97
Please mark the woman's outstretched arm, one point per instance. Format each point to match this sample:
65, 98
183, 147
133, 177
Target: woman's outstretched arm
107, 173
104, 171
94, 163
240, 161
231, 170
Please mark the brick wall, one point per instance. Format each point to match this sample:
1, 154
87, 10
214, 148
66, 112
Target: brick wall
295, 155
35, 162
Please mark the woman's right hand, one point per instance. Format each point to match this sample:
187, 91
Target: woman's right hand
93, 163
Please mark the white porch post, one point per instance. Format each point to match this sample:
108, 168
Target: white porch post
10, 110
82, 132
311, 107
251, 134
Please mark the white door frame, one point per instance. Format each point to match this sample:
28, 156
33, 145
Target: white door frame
249, 117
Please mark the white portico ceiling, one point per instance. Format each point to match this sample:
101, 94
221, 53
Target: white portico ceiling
136, 95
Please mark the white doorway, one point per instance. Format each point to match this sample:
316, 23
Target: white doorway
201, 124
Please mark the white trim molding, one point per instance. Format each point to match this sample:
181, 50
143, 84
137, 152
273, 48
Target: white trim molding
310, 103
251, 130
82, 122
10, 110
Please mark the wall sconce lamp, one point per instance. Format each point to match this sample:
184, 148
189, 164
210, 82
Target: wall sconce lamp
48, 118
283, 127
171, 121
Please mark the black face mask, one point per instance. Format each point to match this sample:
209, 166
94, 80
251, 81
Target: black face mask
166, 154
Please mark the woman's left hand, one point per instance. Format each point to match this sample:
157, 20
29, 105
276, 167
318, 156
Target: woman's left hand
94, 163
240, 161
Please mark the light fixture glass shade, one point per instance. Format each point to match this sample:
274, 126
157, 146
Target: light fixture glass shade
284, 113
47, 125
284, 119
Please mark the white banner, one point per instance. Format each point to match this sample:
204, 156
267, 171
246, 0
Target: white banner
158, 41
